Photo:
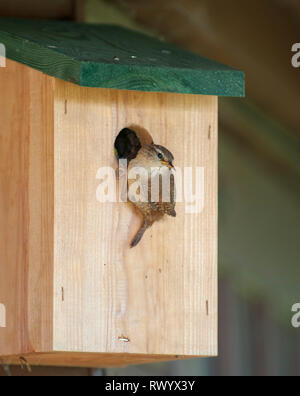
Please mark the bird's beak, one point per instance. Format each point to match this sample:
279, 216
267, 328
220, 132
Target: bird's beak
168, 164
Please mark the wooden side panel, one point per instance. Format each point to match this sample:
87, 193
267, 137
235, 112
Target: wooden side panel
160, 297
26, 209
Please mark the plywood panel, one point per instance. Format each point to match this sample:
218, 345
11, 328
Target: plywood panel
162, 295
26, 209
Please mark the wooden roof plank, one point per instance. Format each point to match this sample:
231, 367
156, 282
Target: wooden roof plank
113, 57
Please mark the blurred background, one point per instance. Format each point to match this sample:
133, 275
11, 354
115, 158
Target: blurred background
259, 239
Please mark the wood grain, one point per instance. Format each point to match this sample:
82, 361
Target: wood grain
26, 209
92, 360
113, 57
161, 295
69, 281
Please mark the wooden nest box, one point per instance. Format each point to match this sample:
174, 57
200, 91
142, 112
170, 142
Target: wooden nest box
72, 292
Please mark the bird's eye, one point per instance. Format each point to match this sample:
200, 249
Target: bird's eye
160, 156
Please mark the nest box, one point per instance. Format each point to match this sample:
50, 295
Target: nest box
72, 292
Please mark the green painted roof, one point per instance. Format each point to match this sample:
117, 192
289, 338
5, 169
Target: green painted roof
113, 57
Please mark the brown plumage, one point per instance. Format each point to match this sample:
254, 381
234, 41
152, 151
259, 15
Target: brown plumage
153, 163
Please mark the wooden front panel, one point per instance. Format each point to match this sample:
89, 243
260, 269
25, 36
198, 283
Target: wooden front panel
160, 297
26, 209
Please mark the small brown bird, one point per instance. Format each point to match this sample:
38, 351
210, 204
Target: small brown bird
155, 161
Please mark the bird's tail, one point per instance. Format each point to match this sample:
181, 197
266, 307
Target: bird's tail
140, 234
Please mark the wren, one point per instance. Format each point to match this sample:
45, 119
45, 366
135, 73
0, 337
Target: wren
155, 162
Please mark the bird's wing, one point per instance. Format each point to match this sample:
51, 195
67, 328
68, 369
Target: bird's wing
141, 192
166, 207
